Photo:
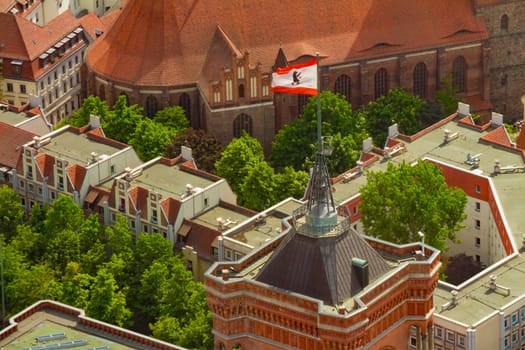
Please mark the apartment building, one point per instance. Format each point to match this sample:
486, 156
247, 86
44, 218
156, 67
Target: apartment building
45, 62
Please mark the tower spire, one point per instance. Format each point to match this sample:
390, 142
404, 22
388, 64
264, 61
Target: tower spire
321, 213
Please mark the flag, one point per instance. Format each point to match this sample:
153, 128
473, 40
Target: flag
296, 79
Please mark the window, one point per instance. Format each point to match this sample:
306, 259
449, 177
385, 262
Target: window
53, 195
451, 337
438, 333
380, 83
154, 216
185, 103
56, 92
343, 86
132, 222
215, 251
151, 106
477, 241
522, 333
413, 342
522, 314
355, 210
238, 256
146, 229
55, 75
22, 184
9, 87
48, 80
22, 89
31, 188
41, 85
242, 122
459, 74
228, 254
506, 323
63, 69
76, 59
420, 80
69, 64
29, 171
504, 24
60, 182
241, 91
253, 86
478, 189
478, 224
65, 87
478, 259
461, 340
17, 68
113, 217
23, 202
112, 169
229, 92
514, 318
478, 206
39, 191
205, 202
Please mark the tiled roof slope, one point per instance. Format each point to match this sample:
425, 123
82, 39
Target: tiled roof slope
166, 42
25, 40
11, 141
321, 267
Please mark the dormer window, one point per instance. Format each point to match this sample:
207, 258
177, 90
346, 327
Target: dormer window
17, 67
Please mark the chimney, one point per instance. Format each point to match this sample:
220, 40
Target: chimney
361, 269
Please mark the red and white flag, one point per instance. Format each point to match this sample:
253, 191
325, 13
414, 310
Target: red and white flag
296, 79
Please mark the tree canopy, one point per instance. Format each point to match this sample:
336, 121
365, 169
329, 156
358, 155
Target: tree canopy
58, 253
398, 106
404, 200
296, 143
206, 149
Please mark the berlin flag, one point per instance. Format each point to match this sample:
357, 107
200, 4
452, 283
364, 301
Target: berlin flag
296, 79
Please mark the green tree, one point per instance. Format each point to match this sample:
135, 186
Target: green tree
296, 143
91, 105
398, 106
11, 211
258, 188
150, 139
106, 302
400, 202
62, 248
31, 285
76, 286
65, 214
238, 158
120, 123
173, 118
26, 242
447, 96
149, 248
119, 239
206, 149
290, 183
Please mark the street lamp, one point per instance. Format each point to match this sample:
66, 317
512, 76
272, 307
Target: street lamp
422, 235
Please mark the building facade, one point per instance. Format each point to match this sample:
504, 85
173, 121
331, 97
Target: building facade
225, 86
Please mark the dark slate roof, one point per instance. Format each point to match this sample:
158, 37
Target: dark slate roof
321, 267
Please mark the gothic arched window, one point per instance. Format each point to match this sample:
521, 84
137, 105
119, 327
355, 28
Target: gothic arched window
459, 74
420, 80
151, 106
343, 86
380, 83
242, 122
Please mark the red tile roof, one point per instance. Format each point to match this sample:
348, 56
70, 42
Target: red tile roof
11, 140
167, 42
45, 163
170, 207
497, 136
201, 238
25, 40
76, 175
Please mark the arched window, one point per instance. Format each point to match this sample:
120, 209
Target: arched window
343, 86
380, 83
242, 122
302, 100
420, 80
241, 90
151, 106
459, 74
102, 92
504, 24
185, 103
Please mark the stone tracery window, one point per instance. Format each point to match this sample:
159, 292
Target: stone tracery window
343, 86
380, 83
420, 80
242, 122
459, 74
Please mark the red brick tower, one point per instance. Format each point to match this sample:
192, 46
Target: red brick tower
320, 285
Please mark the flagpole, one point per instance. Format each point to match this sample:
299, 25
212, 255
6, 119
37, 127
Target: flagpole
319, 136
